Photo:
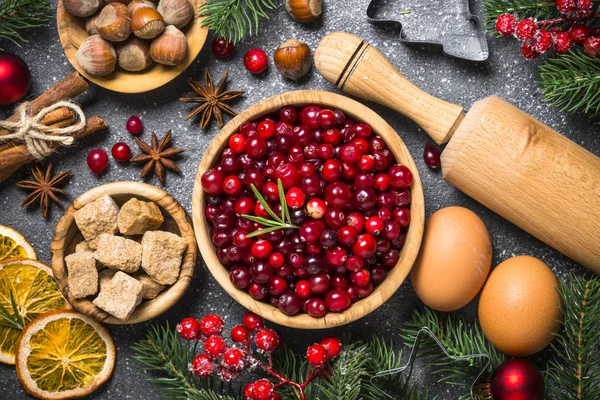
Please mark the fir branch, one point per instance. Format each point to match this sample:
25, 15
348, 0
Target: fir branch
574, 370
16, 15
293, 367
458, 339
348, 372
572, 82
540, 9
234, 19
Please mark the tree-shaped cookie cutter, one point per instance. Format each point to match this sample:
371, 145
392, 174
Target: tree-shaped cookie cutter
449, 24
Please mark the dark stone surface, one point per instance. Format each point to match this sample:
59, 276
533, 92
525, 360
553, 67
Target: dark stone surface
505, 74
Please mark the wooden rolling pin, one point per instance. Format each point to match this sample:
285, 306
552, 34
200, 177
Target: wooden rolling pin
497, 154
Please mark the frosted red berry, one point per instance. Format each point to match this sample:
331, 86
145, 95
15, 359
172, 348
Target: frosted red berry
215, 346
584, 8
189, 329
266, 340
221, 47
579, 33
134, 125
316, 355
239, 334
566, 6
506, 24
528, 51
121, 151
248, 391
233, 359
262, 390
256, 61
211, 324
202, 366
333, 347
543, 41
526, 29
97, 160
562, 42
591, 47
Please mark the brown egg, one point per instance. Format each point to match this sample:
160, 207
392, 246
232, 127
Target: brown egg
454, 261
520, 306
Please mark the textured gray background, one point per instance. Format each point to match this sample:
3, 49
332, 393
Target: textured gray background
505, 74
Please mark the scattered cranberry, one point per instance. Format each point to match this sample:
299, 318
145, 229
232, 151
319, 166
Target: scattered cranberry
256, 61
97, 160
134, 125
221, 47
431, 155
121, 151
189, 329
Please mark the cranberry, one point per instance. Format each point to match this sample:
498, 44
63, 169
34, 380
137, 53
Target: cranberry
134, 125
290, 303
232, 185
364, 246
315, 307
316, 208
363, 180
431, 155
294, 198
401, 216
335, 218
350, 153
215, 346
356, 220
256, 147
328, 238
121, 151
256, 61
302, 135
257, 291
276, 260
361, 145
390, 258
332, 136
288, 114
277, 286
337, 300
289, 176
391, 230
97, 160
347, 235
298, 217
221, 47
339, 281
252, 321
303, 288
202, 366
311, 231
337, 194
340, 118
376, 144
316, 355
211, 324
365, 199
400, 176
326, 119
239, 334
402, 197
360, 277
374, 225
319, 283
266, 129
579, 33
378, 274
309, 116
332, 170
364, 291
266, 339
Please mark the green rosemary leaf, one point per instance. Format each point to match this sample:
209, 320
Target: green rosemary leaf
264, 203
285, 212
262, 221
17, 314
261, 231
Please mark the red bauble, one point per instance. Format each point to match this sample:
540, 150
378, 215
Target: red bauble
15, 78
517, 380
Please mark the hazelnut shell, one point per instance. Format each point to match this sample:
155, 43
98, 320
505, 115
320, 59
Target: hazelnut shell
304, 10
146, 23
82, 8
134, 55
293, 59
135, 4
90, 25
96, 56
170, 48
176, 12
114, 23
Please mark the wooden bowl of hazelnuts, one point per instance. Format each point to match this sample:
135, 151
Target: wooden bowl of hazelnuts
130, 46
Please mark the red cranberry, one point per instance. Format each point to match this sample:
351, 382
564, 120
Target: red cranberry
374, 225
288, 114
391, 230
189, 329
319, 283
328, 238
579, 33
350, 153
221, 47
337, 194
294, 198
316, 208
232, 185
400, 176
339, 281
326, 119
401, 216
431, 155
335, 218
336, 256
363, 180
256, 147
315, 307
290, 303
332, 136
360, 277
289, 176
257, 291
378, 274
361, 145
356, 220
354, 263
381, 182
215, 346
316, 355
347, 235
332, 170
340, 118
270, 191
134, 125
402, 197
362, 130
266, 129
121, 151
309, 116
303, 289
337, 300
376, 144
364, 246
240, 239
383, 245
239, 334
364, 291
311, 231
246, 128
365, 199
256, 61
277, 285
97, 160
262, 249
326, 151
313, 265
390, 258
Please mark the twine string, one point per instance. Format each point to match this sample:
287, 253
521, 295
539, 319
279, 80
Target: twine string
37, 137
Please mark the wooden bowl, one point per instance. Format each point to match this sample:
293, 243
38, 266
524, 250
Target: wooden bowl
407, 255
67, 235
71, 30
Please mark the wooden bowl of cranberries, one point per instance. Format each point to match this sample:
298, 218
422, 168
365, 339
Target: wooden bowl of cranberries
308, 209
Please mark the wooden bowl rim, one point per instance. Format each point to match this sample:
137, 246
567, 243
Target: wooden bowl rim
149, 308
137, 82
408, 254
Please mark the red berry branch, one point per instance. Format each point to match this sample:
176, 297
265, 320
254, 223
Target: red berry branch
230, 361
558, 34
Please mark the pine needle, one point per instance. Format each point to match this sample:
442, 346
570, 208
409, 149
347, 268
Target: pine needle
540, 9
572, 82
16, 15
574, 371
234, 19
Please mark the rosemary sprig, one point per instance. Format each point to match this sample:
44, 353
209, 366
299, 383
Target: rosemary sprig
14, 319
283, 222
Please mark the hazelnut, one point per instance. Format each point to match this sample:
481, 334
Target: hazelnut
147, 23
176, 12
135, 4
114, 23
90, 25
170, 48
304, 10
82, 8
134, 55
96, 56
293, 59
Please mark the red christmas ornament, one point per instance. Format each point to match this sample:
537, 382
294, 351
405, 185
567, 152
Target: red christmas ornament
517, 380
15, 78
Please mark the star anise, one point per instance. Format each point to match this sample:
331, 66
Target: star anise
212, 99
44, 188
156, 156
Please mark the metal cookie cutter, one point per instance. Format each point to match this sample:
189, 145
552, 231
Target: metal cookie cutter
448, 23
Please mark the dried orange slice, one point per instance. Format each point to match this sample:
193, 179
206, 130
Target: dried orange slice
63, 355
35, 292
14, 245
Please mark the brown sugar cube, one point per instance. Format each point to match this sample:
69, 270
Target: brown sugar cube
151, 288
161, 255
119, 253
105, 276
120, 296
83, 275
137, 217
83, 247
96, 218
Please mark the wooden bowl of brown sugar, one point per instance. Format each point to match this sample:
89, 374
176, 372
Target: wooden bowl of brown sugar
67, 235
